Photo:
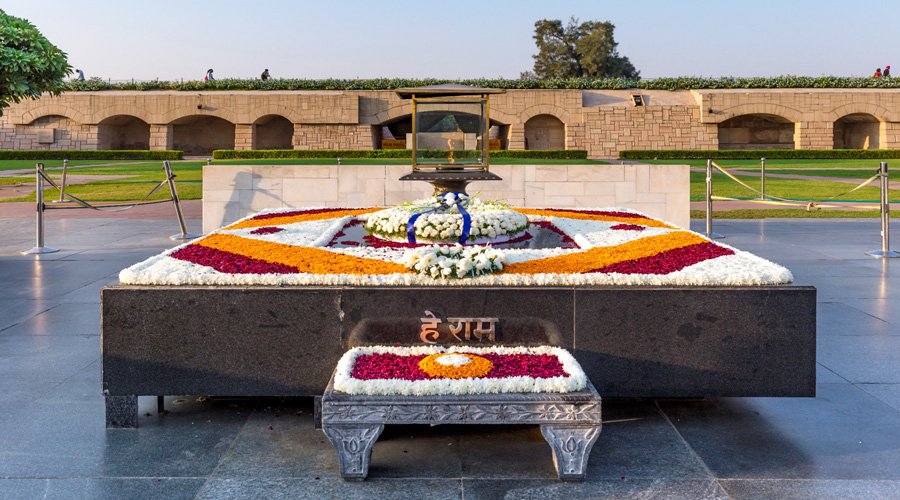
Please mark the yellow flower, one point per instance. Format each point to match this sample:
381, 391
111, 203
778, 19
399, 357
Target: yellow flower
455, 365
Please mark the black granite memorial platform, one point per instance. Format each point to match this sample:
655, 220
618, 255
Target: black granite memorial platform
285, 341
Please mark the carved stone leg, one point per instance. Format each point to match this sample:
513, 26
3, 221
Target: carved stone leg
121, 412
354, 446
571, 447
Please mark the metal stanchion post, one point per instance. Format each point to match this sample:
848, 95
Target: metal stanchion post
39, 195
885, 252
762, 178
184, 235
62, 188
209, 161
709, 203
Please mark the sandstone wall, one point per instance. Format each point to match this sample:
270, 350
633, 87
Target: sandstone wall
602, 122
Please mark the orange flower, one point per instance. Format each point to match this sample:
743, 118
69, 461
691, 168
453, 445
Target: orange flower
306, 259
476, 366
584, 216
599, 257
290, 219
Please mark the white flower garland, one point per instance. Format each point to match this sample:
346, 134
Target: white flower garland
454, 261
344, 381
489, 220
740, 269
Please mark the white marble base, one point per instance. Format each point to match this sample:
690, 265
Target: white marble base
234, 191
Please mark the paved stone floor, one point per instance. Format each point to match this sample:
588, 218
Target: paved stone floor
845, 443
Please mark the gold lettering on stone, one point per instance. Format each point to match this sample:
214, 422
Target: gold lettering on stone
461, 329
429, 333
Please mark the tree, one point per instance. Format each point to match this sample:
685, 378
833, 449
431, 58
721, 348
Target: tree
29, 64
579, 50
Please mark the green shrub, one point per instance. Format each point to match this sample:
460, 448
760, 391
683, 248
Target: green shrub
755, 154
255, 154
77, 154
672, 83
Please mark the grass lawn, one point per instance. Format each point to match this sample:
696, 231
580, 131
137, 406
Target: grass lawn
799, 189
12, 181
143, 175
49, 164
793, 213
776, 164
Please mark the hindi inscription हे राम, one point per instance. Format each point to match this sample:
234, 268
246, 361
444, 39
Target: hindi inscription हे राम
479, 328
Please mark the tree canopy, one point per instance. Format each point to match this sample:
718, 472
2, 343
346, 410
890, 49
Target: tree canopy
576, 50
29, 64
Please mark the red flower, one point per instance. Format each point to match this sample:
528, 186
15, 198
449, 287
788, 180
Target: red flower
267, 230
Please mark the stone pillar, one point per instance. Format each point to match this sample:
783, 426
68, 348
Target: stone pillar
244, 136
814, 135
161, 137
889, 135
300, 140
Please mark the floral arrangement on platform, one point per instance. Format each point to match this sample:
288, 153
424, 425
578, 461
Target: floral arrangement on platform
313, 246
460, 370
454, 261
441, 219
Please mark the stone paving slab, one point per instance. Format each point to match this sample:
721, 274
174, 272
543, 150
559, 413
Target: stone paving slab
845, 443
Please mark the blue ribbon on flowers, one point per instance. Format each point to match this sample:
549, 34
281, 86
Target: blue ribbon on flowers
467, 220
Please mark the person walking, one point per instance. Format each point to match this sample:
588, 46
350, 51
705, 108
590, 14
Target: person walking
209, 76
887, 72
265, 74
877, 73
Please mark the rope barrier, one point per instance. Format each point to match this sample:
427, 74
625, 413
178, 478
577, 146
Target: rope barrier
41, 177
884, 206
885, 252
809, 204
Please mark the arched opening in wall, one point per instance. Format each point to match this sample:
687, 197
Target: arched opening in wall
200, 135
857, 131
123, 132
545, 132
392, 134
51, 132
274, 132
756, 131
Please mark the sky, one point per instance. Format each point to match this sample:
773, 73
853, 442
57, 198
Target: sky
180, 39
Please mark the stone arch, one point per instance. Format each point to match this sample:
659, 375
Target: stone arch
123, 132
118, 109
545, 131
756, 131
199, 135
273, 132
561, 114
391, 133
404, 108
785, 112
857, 131
174, 114
29, 117
878, 112
262, 111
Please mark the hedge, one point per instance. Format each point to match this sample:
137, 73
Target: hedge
672, 83
253, 154
755, 154
87, 154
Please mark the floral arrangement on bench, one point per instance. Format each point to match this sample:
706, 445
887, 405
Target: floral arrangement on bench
331, 246
457, 370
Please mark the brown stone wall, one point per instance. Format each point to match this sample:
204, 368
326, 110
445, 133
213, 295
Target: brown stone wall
613, 129
332, 137
601, 122
61, 132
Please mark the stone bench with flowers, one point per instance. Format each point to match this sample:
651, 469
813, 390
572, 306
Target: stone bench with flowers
375, 386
